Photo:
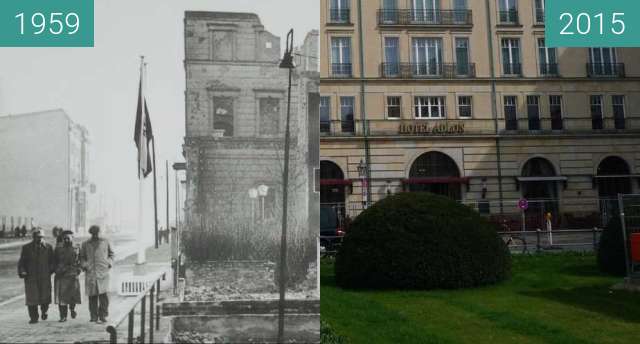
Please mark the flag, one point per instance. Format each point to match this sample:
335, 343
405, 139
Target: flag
143, 134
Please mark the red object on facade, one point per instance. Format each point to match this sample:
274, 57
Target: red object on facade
635, 247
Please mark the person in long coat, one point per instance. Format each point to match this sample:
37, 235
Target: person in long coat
96, 259
66, 283
35, 266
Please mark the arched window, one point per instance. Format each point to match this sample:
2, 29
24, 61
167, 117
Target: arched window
332, 198
542, 193
613, 172
437, 173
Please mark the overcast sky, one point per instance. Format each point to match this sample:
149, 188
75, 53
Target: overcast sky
97, 87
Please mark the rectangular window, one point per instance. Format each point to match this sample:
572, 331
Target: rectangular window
346, 114
339, 11
427, 56
511, 112
508, 12
222, 115
618, 111
603, 62
465, 107
391, 56
547, 58
596, 112
429, 107
393, 107
533, 112
325, 114
511, 56
555, 110
462, 56
390, 13
341, 56
269, 116
425, 11
460, 12
540, 11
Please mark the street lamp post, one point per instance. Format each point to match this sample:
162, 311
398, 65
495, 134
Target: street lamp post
263, 190
286, 63
362, 172
253, 194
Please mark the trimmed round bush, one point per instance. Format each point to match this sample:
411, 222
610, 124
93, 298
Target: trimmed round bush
420, 241
611, 249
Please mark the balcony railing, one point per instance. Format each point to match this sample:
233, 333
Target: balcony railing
549, 69
425, 17
427, 70
341, 70
512, 69
509, 17
340, 16
573, 125
595, 70
539, 16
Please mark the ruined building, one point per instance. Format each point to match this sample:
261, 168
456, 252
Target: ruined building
236, 103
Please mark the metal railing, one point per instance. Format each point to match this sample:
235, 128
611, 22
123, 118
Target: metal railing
539, 16
424, 17
341, 70
512, 69
509, 17
606, 70
581, 124
549, 69
556, 239
340, 16
153, 293
427, 70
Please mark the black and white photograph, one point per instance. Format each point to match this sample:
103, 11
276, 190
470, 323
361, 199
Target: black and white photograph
162, 186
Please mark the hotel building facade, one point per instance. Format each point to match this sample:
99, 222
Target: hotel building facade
463, 98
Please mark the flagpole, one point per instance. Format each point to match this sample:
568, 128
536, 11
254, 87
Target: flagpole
141, 251
155, 192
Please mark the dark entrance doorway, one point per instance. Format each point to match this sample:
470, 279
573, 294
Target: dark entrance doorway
541, 190
437, 173
613, 178
332, 198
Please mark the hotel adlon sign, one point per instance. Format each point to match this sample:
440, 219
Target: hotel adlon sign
426, 128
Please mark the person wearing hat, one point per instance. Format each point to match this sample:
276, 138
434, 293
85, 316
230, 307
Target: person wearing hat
35, 266
66, 283
96, 259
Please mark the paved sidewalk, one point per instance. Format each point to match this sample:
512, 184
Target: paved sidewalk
16, 243
16, 329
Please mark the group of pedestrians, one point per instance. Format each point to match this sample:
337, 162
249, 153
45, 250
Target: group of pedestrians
39, 260
18, 232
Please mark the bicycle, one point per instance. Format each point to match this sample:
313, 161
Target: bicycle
515, 242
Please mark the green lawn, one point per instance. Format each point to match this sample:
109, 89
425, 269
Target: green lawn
550, 299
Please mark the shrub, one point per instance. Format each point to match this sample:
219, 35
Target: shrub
611, 249
420, 241
328, 336
261, 243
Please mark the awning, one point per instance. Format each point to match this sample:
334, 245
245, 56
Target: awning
437, 180
336, 182
617, 176
543, 179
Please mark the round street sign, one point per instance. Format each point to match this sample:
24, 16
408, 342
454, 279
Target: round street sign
523, 204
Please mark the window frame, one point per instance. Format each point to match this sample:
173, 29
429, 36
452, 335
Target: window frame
388, 106
459, 106
561, 106
511, 49
429, 105
515, 108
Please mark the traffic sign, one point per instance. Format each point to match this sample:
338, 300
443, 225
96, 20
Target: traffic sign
523, 204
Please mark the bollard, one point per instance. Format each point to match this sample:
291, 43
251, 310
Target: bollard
151, 319
130, 328
143, 310
538, 240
